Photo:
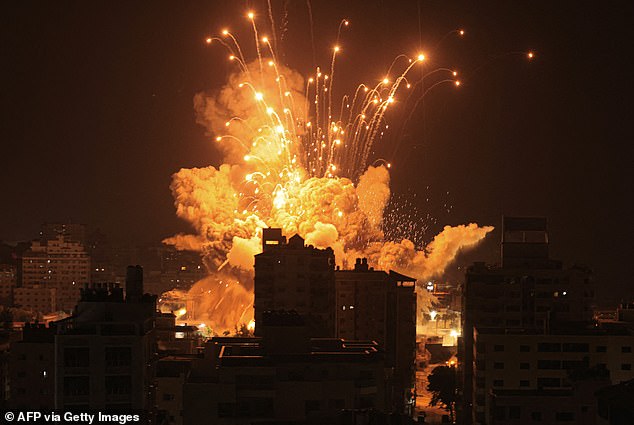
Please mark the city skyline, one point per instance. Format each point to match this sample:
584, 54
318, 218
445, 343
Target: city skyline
127, 98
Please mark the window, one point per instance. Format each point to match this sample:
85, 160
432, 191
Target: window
575, 347
226, 410
548, 364
626, 366
118, 384
574, 364
626, 349
525, 366
514, 412
564, 416
76, 386
311, 406
549, 347
524, 383
337, 403
548, 382
168, 397
498, 383
536, 416
118, 356
498, 348
525, 348
76, 357
601, 349
498, 365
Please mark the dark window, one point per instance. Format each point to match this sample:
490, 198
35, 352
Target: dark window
76, 386
498, 383
118, 384
574, 364
118, 356
480, 348
498, 348
514, 412
525, 366
524, 383
480, 382
601, 349
338, 403
311, 406
226, 410
525, 348
498, 365
626, 349
536, 416
76, 357
548, 364
168, 397
575, 347
626, 366
564, 416
549, 347
548, 382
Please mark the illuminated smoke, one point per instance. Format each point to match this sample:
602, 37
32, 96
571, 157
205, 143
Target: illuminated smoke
287, 153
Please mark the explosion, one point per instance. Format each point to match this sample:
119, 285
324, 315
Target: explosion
297, 159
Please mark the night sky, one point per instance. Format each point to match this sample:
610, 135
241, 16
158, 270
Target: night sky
97, 112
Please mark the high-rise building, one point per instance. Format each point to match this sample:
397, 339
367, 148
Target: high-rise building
380, 306
60, 264
529, 293
292, 276
7, 284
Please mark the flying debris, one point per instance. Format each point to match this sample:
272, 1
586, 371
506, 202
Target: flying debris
296, 157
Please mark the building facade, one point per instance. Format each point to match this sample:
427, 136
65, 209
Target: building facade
60, 264
529, 292
380, 306
292, 276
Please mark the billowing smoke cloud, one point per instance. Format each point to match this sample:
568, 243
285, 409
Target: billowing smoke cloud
267, 182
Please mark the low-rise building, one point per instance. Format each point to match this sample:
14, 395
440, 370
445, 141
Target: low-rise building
283, 377
518, 374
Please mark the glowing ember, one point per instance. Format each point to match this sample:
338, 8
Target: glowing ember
297, 159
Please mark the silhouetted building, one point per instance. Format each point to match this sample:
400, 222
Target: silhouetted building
528, 294
380, 306
292, 276
102, 357
615, 404
32, 369
171, 375
7, 284
285, 377
55, 264
521, 369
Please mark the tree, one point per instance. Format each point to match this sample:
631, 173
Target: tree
442, 385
